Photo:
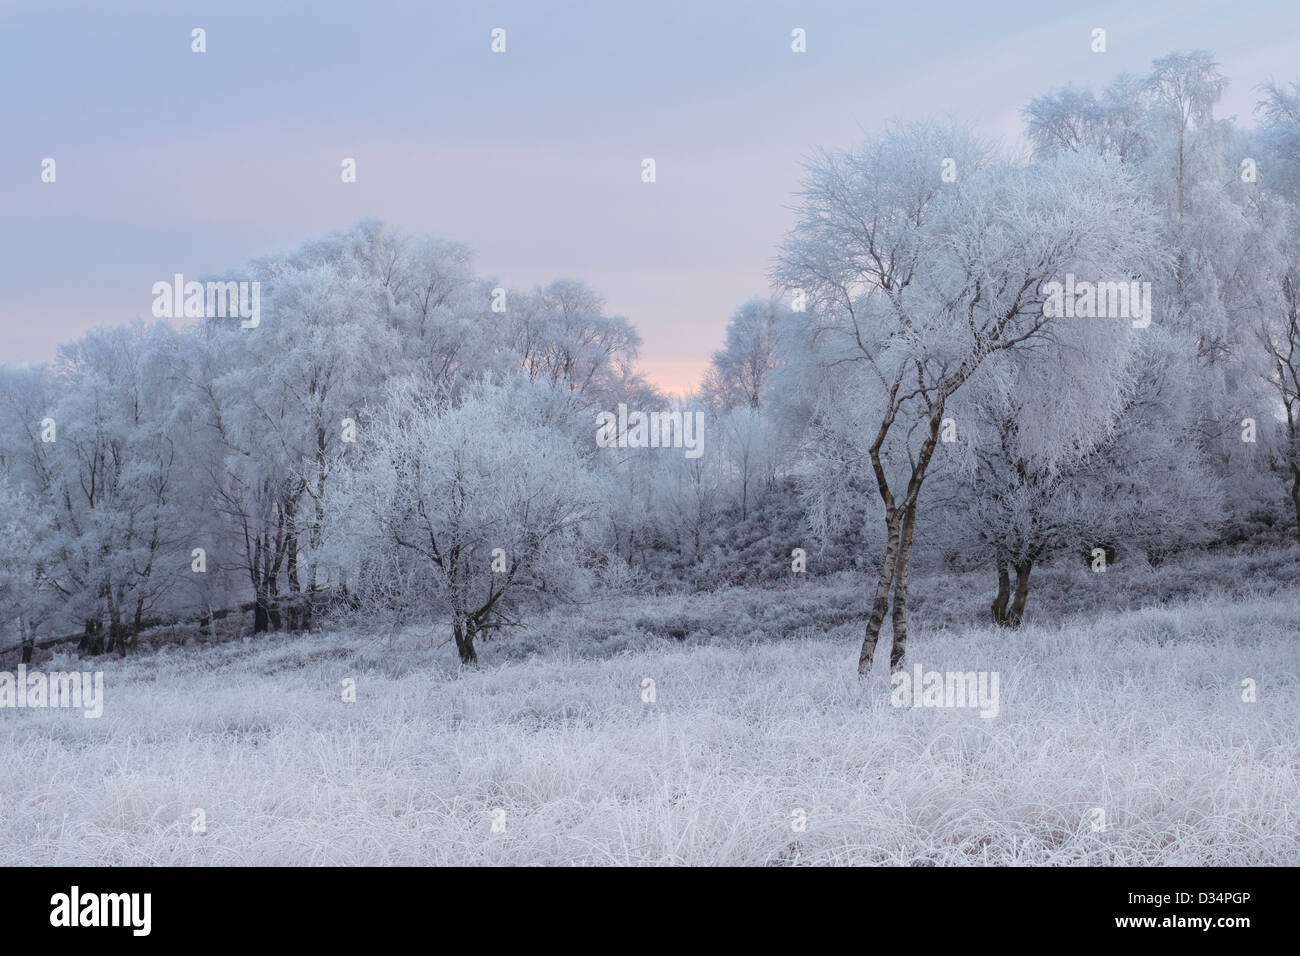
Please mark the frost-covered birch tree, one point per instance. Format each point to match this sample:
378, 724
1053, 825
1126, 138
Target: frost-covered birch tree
1138, 481
461, 509
915, 283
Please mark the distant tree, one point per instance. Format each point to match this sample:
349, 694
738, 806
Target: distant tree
1163, 128
465, 507
1072, 121
272, 401
105, 476
1140, 481
28, 593
739, 372
1277, 278
560, 334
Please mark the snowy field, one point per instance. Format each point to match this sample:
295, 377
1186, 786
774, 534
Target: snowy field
766, 753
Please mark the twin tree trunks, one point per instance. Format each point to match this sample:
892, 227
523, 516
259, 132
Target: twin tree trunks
1002, 614
900, 522
93, 636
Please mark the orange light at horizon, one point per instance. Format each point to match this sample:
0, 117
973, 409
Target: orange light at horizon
678, 377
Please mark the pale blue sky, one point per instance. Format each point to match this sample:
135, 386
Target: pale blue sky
170, 161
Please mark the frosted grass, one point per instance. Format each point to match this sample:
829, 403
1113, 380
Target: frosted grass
1138, 713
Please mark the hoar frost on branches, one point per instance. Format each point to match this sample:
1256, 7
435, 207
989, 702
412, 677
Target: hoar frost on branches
462, 509
916, 284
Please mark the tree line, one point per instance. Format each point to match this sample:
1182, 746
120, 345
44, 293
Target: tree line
401, 437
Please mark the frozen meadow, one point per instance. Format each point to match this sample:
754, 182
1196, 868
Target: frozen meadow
753, 752
669, 439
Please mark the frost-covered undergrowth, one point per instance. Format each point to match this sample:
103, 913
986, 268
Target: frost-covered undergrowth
1137, 713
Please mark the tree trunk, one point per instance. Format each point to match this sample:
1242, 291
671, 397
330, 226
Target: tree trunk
261, 615
881, 604
273, 603
116, 628
295, 590
28, 638
1016, 614
92, 639
899, 649
1003, 595
464, 635
259, 591
1295, 497
117, 636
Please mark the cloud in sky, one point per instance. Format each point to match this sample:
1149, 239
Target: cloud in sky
169, 161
